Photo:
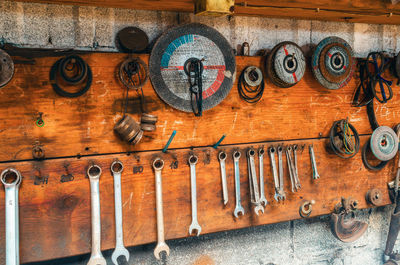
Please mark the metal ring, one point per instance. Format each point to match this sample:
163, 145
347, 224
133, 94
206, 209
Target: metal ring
94, 171
127, 73
119, 167
4, 174
253, 76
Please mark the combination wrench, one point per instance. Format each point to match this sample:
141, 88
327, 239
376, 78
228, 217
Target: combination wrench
238, 208
292, 171
158, 165
296, 176
120, 250
281, 192
96, 257
313, 162
253, 185
263, 200
271, 152
195, 224
11, 179
222, 158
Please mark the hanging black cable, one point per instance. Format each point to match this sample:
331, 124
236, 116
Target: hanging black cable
344, 139
195, 69
251, 84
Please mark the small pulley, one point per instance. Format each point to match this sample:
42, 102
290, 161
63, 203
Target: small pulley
384, 143
333, 63
6, 68
286, 64
133, 73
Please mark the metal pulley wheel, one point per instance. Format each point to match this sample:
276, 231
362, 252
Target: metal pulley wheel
133, 73
253, 76
384, 143
6, 68
176, 51
286, 64
333, 63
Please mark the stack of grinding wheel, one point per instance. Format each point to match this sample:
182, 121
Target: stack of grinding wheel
383, 144
6, 68
286, 64
333, 63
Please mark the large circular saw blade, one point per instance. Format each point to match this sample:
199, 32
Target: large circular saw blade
175, 48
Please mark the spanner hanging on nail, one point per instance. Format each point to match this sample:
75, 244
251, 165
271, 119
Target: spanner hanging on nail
195, 224
120, 250
313, 162
281, 191
263, 200
253, 185
238, 208
158, 165
96, 257
11, 179
292, 170
271, 152
222, 158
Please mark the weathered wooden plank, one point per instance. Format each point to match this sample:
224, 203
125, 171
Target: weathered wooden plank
360, 11
84, 125
55, 217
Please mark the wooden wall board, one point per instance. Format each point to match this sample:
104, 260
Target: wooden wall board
84, 125
55, 216
361, 11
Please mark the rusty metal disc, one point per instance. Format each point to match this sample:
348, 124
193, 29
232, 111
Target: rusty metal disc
333, 63
288, 63
175, 49
6, 68
128, 129
132, 39
147, 127
374, 197
148, 118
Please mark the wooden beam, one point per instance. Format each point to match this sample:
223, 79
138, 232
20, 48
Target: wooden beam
368, 11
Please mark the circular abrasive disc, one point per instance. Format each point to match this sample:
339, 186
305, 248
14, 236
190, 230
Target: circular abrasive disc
6, 68
289, 63
175, 48
333, 63
384, 143
132, 39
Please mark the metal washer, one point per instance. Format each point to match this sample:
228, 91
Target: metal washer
257, 77
384, 143
6, 68
316, 63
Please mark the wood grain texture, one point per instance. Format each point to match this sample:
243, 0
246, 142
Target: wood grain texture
369, 11
55, 217
84, 125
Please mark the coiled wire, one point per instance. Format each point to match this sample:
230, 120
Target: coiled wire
251, 94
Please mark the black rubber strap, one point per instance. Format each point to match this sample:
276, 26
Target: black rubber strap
248, 93
79, 63
371, 115
63, 93
381, 165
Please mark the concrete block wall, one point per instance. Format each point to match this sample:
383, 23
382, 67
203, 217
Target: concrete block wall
297, 242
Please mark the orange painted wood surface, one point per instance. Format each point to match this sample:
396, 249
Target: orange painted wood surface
55, 217
361, 11
84, 125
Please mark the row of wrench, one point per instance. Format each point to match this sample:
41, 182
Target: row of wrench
256, 185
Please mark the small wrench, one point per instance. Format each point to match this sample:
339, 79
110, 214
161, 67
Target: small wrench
281, 192
238, 208
96, 258
222, 158
11, 179
120, 250
313, 162
263, 200
254, 194
195, 224
158, 165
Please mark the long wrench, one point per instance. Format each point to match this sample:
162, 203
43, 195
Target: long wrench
238, 208
271, 152
11, 179
222, 158
158, 165
296, 176
120, 250
281, 191
254, 194
313, 162
195, 224
292, 172
263, 200
96, 257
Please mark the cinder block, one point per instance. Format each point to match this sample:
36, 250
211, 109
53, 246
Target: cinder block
35, 25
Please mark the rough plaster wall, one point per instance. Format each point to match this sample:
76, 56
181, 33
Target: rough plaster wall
296, 242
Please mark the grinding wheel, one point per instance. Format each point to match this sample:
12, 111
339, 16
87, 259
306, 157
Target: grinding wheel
179, 46
6, 68
333, 63
384, 143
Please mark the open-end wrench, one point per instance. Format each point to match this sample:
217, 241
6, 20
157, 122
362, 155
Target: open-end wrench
238, 207
263, 200
296, 172
120, 250
195, 224
11, 179
253, 185
292, 172
222, 158
282, 194
271, 152
313, 162
158, 165
96, 257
